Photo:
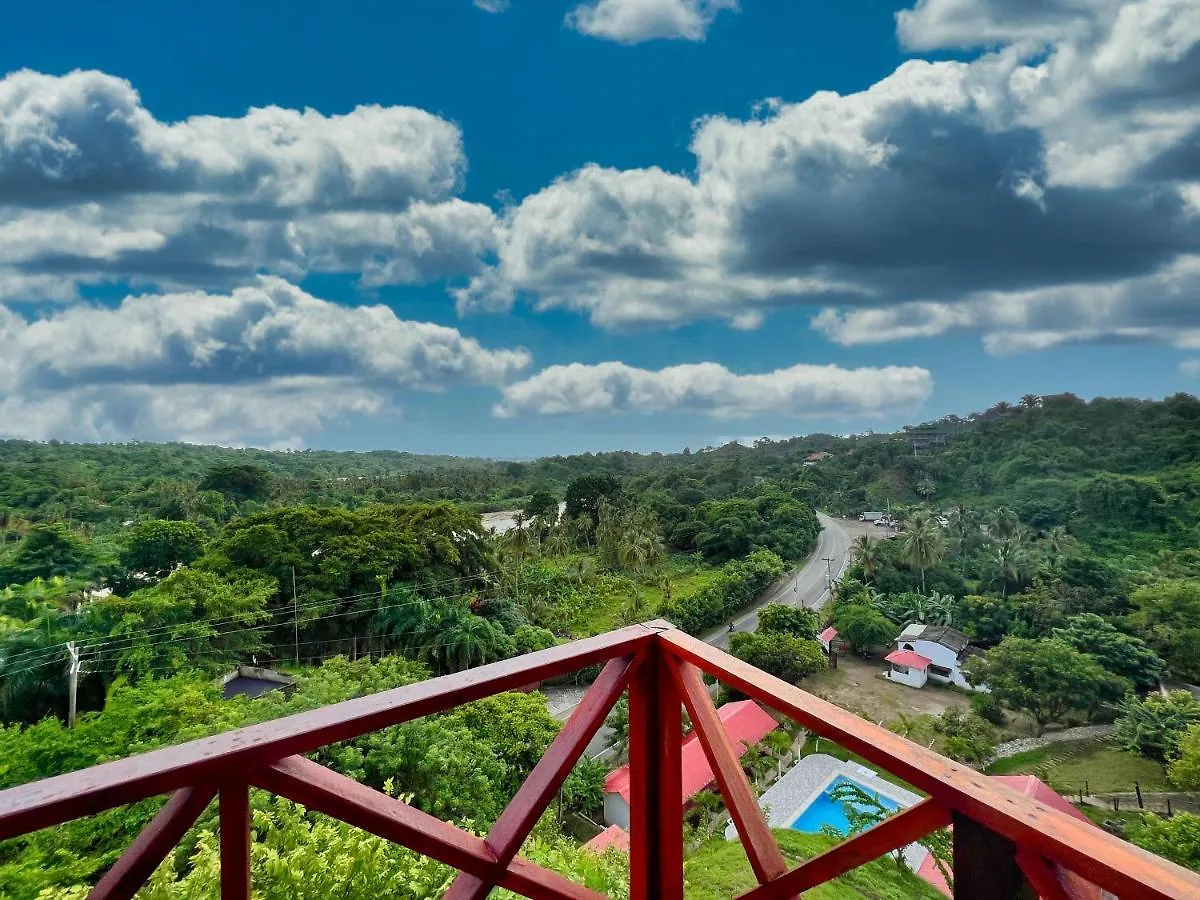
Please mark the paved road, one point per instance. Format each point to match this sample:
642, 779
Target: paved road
806, 585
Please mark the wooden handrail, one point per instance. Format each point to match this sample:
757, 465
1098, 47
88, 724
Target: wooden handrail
1101, 858
61, 798
1034, 844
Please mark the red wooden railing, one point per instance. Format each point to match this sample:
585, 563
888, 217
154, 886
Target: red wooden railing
1005, 844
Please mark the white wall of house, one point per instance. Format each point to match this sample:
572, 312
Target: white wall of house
942, 657
909, 675
616, 810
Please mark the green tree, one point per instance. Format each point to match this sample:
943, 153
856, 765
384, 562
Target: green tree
238, 482
541, 505
1184, 769
779, 618
1045, 677
866, 553
49, 551
1167, 616
863, 626
1153, 725
584, 494
780, 654
156, 547
923, 546
1118, 652
1176, 838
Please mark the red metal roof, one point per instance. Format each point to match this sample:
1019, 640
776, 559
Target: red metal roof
745, 722
612, 836
1033, 787
828, 634
908, 658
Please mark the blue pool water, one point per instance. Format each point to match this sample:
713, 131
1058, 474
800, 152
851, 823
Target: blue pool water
826, 811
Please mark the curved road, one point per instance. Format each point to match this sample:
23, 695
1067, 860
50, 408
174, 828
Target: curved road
806, 585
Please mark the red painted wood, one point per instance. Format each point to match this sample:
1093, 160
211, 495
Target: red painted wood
51, 801
317, 788
1043, 876
152, 846
765, 858
234, 807
1080, 847
516, 822
901, 829
656, 782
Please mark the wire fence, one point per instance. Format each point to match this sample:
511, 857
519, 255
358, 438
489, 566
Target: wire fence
1128, 798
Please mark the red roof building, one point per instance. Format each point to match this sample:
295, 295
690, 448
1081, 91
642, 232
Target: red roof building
909, 658
612, 836
745, 722
827, 635
1033, 787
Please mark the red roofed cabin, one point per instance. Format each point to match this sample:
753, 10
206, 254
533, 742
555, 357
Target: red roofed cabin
745, 722
612, 836
908, 667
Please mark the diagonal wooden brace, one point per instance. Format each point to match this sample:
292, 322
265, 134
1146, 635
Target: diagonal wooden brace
152, 846
318, 788
765, 857
522, 813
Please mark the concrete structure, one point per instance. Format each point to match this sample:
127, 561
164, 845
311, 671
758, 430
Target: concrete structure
745, 722
908, 668
254, 681
813, 458
944, 650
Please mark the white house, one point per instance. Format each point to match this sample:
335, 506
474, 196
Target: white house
931, 652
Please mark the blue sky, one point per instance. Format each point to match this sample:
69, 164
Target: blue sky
558, 227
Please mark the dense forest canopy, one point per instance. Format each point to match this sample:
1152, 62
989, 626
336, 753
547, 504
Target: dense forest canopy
1060, 535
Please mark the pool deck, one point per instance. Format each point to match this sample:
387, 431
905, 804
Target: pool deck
791, 795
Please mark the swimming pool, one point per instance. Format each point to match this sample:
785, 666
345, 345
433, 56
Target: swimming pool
824, 810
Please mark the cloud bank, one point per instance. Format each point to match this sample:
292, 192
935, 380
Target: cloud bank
712, 390
267, 363
637, 21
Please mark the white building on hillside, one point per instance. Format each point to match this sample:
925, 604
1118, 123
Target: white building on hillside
931, 653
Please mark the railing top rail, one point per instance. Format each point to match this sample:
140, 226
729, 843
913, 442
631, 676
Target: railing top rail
1104, 859
61, 798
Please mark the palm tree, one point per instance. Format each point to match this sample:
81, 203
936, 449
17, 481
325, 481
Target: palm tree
1060, 543
1031, 401
1012, 563
1003, 524
923, 545
518, 541
866, 551
926, 488
469, 640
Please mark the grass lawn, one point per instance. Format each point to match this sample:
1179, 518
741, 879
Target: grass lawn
719, 870
1067, 765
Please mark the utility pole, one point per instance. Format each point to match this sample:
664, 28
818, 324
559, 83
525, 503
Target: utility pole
828, 574
72, 682
295, 620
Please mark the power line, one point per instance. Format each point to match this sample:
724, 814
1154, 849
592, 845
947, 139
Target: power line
86, 643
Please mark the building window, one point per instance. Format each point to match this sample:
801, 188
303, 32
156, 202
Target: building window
939, 671
899, 670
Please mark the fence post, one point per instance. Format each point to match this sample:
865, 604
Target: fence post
985, 864
233, 808
1137, 789
656, 781
1087, 787
1169, 808
1116, 804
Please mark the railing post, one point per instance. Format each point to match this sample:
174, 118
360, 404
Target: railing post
234, 810
656, 781
985, 864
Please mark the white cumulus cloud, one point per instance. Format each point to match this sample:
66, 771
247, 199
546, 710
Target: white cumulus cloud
94, 188
261, 363
636, 21
711, 389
